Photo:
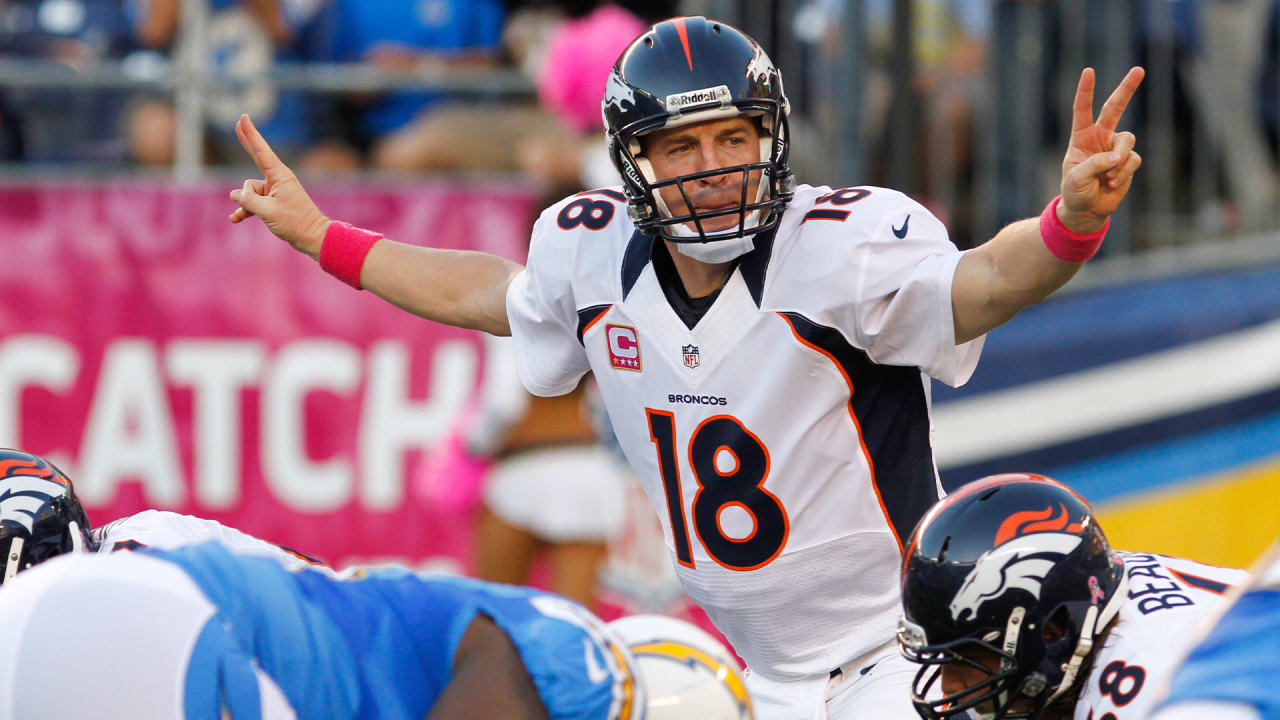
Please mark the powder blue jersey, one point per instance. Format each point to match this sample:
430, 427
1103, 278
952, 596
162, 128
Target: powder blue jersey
382, 646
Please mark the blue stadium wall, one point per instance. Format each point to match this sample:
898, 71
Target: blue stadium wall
1159, 401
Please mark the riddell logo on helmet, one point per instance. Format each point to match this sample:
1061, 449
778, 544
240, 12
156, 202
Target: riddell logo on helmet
632, 173
719, 93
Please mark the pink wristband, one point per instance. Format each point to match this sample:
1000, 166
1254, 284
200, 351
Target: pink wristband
1064, 244
344, 249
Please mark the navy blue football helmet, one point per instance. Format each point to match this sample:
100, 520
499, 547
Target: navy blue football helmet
40, 516
683, 71
1013, 567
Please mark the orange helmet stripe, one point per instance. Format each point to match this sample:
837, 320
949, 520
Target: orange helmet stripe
33, 468
684, 39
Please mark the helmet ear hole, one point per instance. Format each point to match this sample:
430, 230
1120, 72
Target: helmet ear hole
1054, 628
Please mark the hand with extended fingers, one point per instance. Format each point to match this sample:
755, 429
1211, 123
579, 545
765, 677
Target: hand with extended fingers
1100, 162
278, 198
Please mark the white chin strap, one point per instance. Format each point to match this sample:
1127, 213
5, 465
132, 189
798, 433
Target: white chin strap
1094, 622
715, 251
77, 539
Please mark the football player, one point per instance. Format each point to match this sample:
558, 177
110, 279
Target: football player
764, 347
1015, 606
1231, 674
199, 633
41, 517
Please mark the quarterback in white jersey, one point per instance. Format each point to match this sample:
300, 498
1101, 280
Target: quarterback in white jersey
1016, 606
784, 437
762, 346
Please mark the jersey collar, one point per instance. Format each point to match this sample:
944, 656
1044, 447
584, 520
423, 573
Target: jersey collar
753, 265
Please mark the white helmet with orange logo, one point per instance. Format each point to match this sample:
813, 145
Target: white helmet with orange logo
687, 673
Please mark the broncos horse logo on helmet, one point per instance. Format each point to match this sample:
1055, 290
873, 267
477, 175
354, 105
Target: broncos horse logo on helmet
40, 516
1021, 564
1014, 567
688, 70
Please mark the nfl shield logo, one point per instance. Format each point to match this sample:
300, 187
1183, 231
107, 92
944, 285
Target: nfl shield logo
690, 356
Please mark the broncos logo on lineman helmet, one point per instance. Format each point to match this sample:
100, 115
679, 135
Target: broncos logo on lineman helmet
40, 516
1013, 565
1018, 561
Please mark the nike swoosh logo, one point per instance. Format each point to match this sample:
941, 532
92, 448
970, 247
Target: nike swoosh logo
902, 231
595, 673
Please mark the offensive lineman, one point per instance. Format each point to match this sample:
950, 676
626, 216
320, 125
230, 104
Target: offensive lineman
763, 348
199, 633
1015, 606
219, 621
41, 517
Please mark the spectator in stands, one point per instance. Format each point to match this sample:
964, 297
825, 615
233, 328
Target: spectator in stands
947, 55
244, 38
1269, 81
417, 131
61, 124
1222, 81
571, 77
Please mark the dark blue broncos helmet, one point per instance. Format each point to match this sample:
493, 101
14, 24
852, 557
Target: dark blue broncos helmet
1014, 565
40, 516
687, 70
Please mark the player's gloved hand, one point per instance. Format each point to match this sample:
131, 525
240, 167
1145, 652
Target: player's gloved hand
278, 199
1100, 162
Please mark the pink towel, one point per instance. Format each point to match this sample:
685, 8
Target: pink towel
579, 58
452, 479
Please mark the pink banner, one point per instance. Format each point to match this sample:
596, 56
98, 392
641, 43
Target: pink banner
165, 358
170, 359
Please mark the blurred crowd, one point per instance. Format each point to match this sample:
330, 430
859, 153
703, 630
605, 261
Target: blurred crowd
975, 72
564, 48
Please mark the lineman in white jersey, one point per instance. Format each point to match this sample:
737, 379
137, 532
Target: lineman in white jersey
1015, 606
165, 530
761, 346
41, 517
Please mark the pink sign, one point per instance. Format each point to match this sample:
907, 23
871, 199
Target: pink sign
165, 358
170, 359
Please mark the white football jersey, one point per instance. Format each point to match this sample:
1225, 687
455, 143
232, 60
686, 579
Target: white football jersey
165, 530
1169, 598
785, 440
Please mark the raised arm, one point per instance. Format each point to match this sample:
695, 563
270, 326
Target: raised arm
455, 287
1017, 268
